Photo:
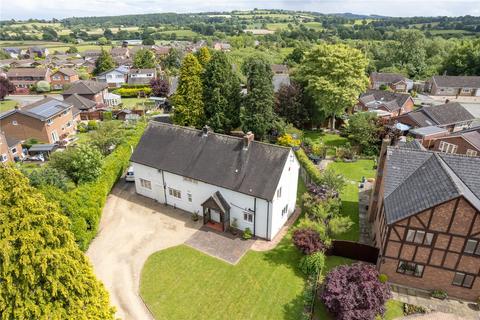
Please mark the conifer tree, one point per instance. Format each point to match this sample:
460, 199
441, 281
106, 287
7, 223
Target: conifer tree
144, 59
188, 99
204, 56
257, 115
104, 62
221, 93
43, 273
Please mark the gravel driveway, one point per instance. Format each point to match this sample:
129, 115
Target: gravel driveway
131, 229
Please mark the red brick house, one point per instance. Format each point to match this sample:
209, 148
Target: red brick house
385, 103
465, 142
454, 86
394, 81
63, 77
92, 90
24, 78
426, 221
10, 149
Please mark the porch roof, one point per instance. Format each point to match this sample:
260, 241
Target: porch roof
217, 202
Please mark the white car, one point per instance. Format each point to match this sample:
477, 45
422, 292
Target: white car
130, 175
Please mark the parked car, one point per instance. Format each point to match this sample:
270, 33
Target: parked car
130, 177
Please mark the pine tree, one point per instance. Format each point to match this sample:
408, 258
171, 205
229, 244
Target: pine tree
144, 59
188, 99
104, 62
257, 115
43, 273
204, 56
221, 92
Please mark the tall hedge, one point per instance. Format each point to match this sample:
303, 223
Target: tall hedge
83, 205
309, 167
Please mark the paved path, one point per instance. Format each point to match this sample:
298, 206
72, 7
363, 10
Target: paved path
131, 229
363, 203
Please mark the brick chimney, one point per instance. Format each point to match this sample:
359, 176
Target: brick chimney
247, 139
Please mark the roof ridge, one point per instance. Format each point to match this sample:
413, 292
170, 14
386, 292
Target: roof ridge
450, 171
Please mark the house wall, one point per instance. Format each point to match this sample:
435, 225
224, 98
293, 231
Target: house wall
113, 78
452, 223
462, 144
59, 80
5, 155
28, 127
200, 191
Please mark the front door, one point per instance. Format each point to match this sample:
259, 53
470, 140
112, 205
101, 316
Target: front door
215, 216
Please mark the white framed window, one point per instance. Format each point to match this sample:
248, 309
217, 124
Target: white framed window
3, 157
56, 77
146, 184
66, 78
472, 247
279, 192
285, 210
49, 121
247, 216
14, 123
55, 136
175, 193
13, 150
471, 153
448, 147
189, 196
69, 124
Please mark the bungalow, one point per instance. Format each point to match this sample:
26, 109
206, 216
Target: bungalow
451, 116
279, 69
114, 78
465, 142
454, 86
63, 77
10, 149
390, 103
229, 181
24, 78
425, 210
394, 81
88, 89
39, 52
122, 52
141, 76
47, 120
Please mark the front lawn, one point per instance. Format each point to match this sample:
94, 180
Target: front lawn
7, 104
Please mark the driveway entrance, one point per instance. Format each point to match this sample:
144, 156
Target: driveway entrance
131, 229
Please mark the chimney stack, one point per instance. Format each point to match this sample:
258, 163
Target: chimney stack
205, 130
247, 139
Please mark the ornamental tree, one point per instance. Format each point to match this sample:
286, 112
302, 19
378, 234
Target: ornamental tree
289, 105
355, 292
188, 99
44, 274
6, 87
160, 87
308, 241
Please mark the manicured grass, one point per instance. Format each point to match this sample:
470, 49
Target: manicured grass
355, 170
7, 104
331, 141
133, 103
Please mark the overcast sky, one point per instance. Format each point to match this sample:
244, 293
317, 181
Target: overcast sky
47, 9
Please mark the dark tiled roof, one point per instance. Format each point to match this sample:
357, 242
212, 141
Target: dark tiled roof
67, 71
413, 144
417, 180
457, 81
214, 159
448, 113
80, 102
390, 100
86, 87
45, 108
421, 119
27, 72
387, 77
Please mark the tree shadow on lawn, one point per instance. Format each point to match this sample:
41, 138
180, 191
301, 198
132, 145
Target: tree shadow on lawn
294, 309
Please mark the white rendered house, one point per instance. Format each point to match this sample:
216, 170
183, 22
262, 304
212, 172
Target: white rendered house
222, 178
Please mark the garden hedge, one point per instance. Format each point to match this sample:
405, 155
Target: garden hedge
309, 167
83, 205
132, 92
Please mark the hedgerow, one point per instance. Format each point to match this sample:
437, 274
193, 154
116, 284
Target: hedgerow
132, 92
308, 165
83, 205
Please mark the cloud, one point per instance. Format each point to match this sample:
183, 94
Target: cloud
46, 9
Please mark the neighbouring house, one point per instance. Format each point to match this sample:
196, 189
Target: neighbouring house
454, 86
48, 120
23, 63
63, 77
92, 90
114, 78
39, 52
451, 116
385, 103
141, 76
25, 78
13, 52
222, 46
426, 222
122, 52
82, 106
279, 80
161, 51
224, 179
10, 149
428, 135
394, 81
91, 54
465, 142
279, 69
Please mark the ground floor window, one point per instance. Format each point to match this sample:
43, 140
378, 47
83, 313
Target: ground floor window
463, 280
447, 147
175, 193
410, 269
189, 196
248, 216
285, 210
3, 157
472, 247
146, 184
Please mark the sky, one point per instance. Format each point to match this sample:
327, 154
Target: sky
47, 9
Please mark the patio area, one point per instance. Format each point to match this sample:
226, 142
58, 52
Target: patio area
221, 245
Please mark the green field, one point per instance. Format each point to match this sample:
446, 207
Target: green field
181, 33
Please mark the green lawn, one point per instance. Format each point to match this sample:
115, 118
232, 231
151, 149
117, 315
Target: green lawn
330, 140
131, 103
7, 105
355, 170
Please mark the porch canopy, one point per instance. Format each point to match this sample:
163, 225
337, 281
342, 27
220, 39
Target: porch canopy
217, 202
